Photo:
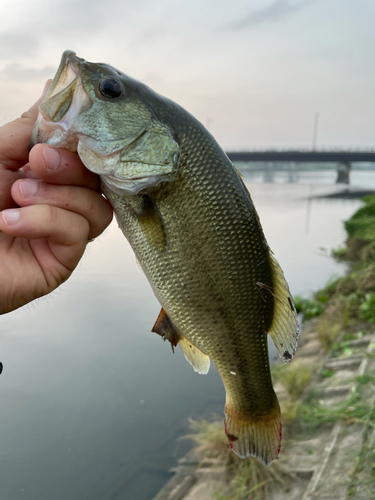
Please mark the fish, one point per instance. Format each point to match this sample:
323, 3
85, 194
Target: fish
190, 219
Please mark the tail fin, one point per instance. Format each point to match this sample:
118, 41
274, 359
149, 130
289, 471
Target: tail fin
260, 438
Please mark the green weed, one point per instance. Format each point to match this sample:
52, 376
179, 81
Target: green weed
327, 372
309, 308
365, 379
350, 336
342, 349
354, 409
340, 253
367, 308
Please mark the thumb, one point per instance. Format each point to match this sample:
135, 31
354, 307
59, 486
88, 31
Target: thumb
15, 136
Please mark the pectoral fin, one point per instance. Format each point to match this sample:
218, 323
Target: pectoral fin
151, 223
164, 327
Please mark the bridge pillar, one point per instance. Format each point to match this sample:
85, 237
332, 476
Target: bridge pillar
293, 176
268, 172
343, 171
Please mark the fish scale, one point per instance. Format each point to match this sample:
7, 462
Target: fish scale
192, 224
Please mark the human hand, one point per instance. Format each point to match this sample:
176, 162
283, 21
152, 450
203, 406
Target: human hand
50, 207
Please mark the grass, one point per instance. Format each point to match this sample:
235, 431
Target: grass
342, 349
360, 245
294, 377
210, 439
327, 372
252, 481
365, 379
367, 308
328, 333
354, 409
363, 475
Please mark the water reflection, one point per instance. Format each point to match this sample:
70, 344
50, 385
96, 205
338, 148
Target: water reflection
271, 174
91, 400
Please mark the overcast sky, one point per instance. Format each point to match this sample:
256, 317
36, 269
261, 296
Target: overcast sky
254, 71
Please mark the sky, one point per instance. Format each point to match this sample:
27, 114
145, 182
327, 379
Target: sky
255, 72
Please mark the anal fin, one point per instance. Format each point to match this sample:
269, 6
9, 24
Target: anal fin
198, 360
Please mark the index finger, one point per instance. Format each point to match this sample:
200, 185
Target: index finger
15, 137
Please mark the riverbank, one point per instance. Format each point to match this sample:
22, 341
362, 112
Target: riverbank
327, 397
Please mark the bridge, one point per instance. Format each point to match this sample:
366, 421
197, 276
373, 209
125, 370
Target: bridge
342, 157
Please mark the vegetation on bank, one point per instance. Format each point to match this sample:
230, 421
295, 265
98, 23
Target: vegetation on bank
346, 301
351, 298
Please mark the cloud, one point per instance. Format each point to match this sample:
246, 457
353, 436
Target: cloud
87, 16
18, 72
13, 45
278, 10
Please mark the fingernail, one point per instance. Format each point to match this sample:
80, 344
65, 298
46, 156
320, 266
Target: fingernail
28, 188
10, 217
51, 157
28, 172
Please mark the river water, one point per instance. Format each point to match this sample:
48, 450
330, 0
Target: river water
91, 401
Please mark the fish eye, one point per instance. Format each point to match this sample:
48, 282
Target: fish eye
109, 87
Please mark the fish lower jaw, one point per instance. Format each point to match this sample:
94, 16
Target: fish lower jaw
54, 134
131, 186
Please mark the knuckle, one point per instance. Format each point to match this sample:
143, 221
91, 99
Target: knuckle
26, 114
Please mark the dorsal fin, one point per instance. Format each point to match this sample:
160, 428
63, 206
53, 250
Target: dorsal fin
198, 360
284, 328
239, 174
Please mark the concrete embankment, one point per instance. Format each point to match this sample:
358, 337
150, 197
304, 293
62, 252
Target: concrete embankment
331, 463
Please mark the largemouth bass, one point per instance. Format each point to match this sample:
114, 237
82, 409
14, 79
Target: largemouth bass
192, 224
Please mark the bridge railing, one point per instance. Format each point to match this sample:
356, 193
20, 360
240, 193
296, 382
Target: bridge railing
303, 149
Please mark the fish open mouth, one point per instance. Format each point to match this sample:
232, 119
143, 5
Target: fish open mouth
120, 140
64, 100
